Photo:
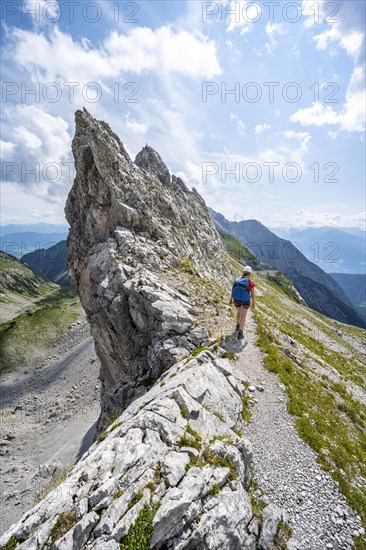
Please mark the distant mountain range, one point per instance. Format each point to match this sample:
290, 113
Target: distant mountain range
319, 290
20, 243
33, 228
354, 287
334, 250
52, 262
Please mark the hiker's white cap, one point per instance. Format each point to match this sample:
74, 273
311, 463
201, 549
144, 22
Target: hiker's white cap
247, 269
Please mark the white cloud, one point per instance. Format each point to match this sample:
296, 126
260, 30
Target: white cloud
166, 121
316, 115
21, 206
312, 12
7, 149
40, 153
306, 218
240, 125
351, 117
135, 126
162, 49
351, 42
239, 15
259, 128
60, 58
42, 12
273, 29
303, 138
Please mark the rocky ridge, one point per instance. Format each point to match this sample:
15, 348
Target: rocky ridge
170, 471
127, 221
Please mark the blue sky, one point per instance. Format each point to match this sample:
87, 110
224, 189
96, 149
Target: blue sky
285, 146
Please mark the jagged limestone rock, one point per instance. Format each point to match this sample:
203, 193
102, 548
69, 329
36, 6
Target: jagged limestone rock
205, 502
272, 516
126, 230
170, 465
151, 161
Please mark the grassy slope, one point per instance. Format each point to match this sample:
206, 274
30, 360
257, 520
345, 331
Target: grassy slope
17, 277
28, 339
238, 251
324, 372
20, 286
39, 312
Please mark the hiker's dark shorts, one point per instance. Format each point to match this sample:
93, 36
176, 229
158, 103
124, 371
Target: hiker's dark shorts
239, 303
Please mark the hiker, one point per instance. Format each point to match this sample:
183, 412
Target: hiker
242, 291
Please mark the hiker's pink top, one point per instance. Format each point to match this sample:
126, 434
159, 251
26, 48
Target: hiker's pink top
251, 285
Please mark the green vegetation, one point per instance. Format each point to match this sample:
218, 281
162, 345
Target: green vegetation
113, 417
11, 544
227, 438
246, 412
116, 425
65, 521
256, 503
187, 267
102, 436
282, 536
29, 338
119, 493
17, 277
194, 441
184, 412
283, 285
135, 500
210, 297
327, 416
198, 350
140, 533
237, 250
209, 457
215, 489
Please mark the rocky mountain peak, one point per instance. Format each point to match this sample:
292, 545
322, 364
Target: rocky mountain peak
131, 239
151, 161
168, 470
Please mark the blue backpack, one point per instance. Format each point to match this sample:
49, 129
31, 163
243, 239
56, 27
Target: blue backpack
240, 290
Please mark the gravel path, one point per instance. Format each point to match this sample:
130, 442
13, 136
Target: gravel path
47, 421
285, 468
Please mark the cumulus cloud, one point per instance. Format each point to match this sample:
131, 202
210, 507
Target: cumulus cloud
351, 42
303, 138
135, 126
27, 207
59, 57
350, 118
272, 30
41, 12
260, 128
344, 31
38, 159
7, 149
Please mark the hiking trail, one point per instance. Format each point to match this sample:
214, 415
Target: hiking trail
285, 467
